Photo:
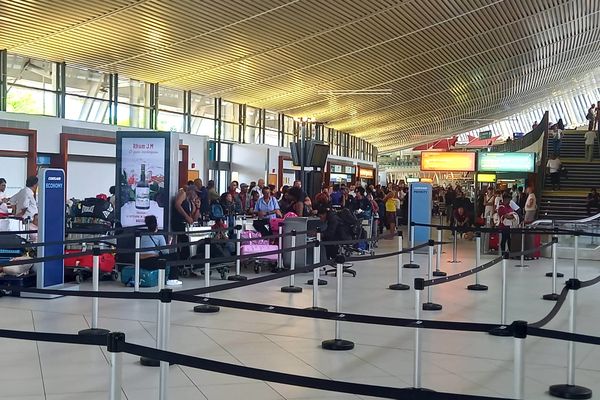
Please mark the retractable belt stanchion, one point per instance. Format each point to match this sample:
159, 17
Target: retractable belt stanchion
94, 330
438, 256
417, 362
116, 364
291, 288
454, 246
553, 296
477, 285
166, 296
280, 255
570, 390
519, 333
316, 260
522, 258
206, 308
136, 268
238, 275
430, 306
412, 263
151, 362
338, 343
315, 279
502, 330
554, 252
399, 285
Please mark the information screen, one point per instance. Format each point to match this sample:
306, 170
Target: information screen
506, 162
447, 161
486, 178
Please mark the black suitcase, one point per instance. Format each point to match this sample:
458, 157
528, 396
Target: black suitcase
24, 281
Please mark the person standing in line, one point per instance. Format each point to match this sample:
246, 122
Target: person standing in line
554, 165
266, 208
488, 201
259, 187
590, 138
530, 206
24, 201
186, 211
508, 220
390, 210
3, 197
591, 117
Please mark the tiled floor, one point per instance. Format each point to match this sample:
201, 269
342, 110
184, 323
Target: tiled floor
457, 362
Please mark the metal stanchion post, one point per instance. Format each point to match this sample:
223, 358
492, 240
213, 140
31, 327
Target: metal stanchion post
94, 330
338, 343
419, 286
399, 285
454, 246
412, 263
519, 333
502, 330
315, 279
317, 259
570, 390
291, 288
280, 256
116, 364
151, 362
553, 296
438, 256
477, 285
238, 275
575, 255
555, 256
136, 257
206, 308
522, 258
166, 297
430, 306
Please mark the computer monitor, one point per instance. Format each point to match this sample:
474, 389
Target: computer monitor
316, 155
295, 150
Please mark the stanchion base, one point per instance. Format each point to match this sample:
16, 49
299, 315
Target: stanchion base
399, 286
206, 308
337, 344
558, 274
502, 330
570, 392
477, 286
432, 307
551, 296
291, 289
521, 266
237, 278
454, 262
93, 332
150, 362
322, 282
411, 265
438, 273
316, 309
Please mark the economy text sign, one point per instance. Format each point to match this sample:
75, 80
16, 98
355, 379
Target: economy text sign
448, 161
506, 162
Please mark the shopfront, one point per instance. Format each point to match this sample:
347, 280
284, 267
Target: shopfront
366, 176
342, 173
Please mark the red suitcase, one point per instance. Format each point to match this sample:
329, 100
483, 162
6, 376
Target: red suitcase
80, 267
494, 242
533, 241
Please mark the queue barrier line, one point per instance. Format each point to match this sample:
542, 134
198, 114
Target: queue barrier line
557, 306
463, 274
291, 379
554, 231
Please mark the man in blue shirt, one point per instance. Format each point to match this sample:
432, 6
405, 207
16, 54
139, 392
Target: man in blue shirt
149, 258
266, 208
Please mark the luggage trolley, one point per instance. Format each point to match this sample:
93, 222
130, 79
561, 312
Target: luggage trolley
12, 248
196, 233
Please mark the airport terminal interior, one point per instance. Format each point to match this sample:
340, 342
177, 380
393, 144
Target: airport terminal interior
299, 199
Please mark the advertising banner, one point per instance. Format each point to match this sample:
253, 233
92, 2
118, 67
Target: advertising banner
51, 220
506, 162
143, 177
448, 161
420, 201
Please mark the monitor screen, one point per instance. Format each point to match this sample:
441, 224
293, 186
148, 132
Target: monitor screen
317, 153
295, 150
506, 162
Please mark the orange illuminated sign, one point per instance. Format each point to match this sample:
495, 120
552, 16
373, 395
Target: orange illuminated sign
447, 161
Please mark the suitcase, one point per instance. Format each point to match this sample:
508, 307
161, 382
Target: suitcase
250, 235
107, 261
24, 281
148, 278
7, 251
533, 242
494, 242
257, 262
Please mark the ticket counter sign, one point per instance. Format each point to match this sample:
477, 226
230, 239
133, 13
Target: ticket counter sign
488, 178
506, 162
448, 161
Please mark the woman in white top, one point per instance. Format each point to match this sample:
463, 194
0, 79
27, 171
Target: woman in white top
488, 200
530, 206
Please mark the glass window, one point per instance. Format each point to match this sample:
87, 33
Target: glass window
203, 106
87, 83
31, 85
169, 121
271, 138
203, 126
134, 116
230, 112
288, 124
134, 92
87, 109
271, 120
252, 116
170, 99
230, 131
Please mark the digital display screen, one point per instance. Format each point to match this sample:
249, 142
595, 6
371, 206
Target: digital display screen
447, 161
490, 178
506, 162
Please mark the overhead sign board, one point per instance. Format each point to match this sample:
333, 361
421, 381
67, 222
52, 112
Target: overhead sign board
491, 178
485, 135
448, 161
506, 162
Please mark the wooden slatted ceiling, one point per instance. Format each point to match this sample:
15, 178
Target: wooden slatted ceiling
445, 61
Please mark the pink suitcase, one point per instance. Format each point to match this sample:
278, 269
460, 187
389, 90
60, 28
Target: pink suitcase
257, 262
251, 235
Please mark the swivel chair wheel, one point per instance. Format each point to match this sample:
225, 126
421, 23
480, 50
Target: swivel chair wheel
115, 275
186, 273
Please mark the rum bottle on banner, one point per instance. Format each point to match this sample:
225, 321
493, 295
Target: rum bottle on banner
142, 191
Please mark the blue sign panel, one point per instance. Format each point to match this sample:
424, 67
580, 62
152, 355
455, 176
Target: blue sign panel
420, 203
51, 199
